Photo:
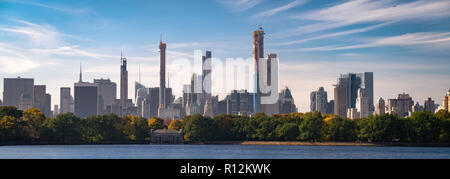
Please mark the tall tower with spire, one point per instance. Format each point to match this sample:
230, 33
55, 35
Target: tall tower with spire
123, 82
162, 74
81, 75
258, 52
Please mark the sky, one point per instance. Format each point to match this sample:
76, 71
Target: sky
404, 42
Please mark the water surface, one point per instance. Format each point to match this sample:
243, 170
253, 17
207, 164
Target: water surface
219, 152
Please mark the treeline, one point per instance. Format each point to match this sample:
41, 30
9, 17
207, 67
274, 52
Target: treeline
32, 125
421, 127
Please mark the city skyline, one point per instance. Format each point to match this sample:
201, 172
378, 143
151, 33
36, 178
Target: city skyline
412, 61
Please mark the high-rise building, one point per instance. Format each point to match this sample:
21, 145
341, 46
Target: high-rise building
401, 106
416, 108
429, 105
355, 81
286, 102
86, 98
66, 101
107, 92
330, 107
151, 103
48, 105
206, 75
340, 100
269, 109
241, 102
55, 110
313, 101
16, 89
381, 107
25, 102
258, 53
446, 101
123, 83
319, 101
42, 100
362, 103
162, 74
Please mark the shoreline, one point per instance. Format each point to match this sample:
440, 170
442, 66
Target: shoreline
300, 143
281, 143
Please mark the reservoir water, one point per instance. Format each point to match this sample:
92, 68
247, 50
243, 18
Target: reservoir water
219, 152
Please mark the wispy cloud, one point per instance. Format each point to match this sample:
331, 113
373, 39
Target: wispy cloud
240, 5
61, 8
281, 9
330, 35
13, 62
420, 38
363, 11
38, 34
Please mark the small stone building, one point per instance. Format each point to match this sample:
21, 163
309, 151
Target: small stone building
164, 136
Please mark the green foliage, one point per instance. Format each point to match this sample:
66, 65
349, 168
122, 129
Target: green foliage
63, 128
287, 131
381, 128
339, 129
310, 127
12, 129
199, 128
10, 111
156, 123
424, 127
103, 128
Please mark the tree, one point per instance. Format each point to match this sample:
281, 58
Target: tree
10, 111
156, 123
199, 129
444, 118
267, 129
137, 128
382, 128
12, 129
224, 125
103, 128
339, 129
424, 127
176, 125
65, 128
311, 126
34, 119
287, 131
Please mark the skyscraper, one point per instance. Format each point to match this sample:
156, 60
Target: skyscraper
446, 101
86, 98
107, 92
401, 106
206, 75
123, 83
355, 81
340, 100
286, 102
42, 100
381, 107
258, 53
162, 74
429, 105
319, 101
65, 101
15, 89
362, 103
313, 102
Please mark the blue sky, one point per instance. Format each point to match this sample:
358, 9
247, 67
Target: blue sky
404, 42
